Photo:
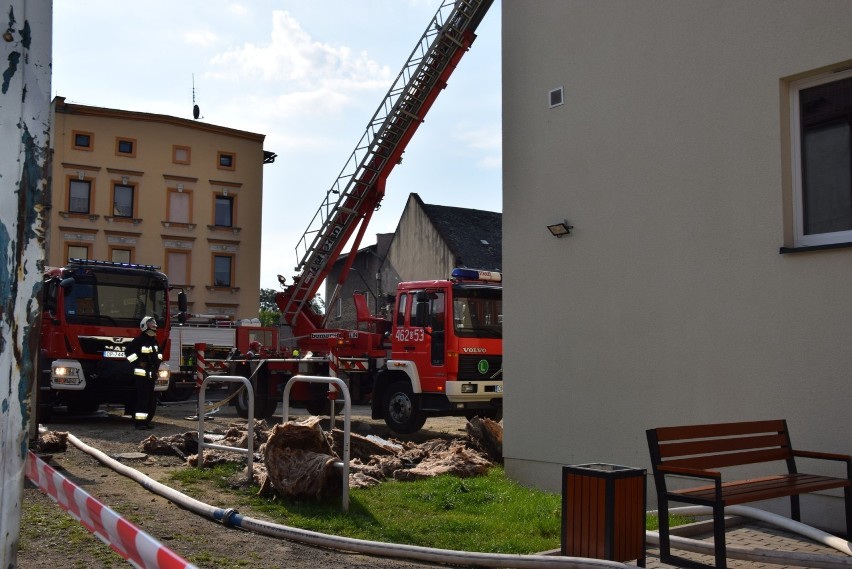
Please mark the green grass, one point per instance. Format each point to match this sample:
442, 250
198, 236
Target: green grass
39, 519
487, 514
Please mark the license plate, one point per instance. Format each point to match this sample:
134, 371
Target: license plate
113, 354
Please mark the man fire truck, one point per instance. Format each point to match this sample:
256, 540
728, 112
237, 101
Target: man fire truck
441, 354
91, 312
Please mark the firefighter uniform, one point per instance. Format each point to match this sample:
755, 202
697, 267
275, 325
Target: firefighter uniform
144, 355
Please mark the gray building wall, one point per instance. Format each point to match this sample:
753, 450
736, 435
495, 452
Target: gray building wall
669, 303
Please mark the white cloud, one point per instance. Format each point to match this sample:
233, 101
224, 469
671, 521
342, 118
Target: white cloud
293, 56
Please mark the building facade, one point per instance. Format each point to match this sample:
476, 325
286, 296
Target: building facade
701, 150
158, 190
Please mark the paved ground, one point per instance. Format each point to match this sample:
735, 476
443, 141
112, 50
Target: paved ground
759, 536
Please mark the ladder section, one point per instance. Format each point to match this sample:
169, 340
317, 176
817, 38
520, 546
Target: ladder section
359, 188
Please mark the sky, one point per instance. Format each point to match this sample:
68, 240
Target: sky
307, 74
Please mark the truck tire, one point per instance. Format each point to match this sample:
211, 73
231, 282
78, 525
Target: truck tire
264, 407
400, 409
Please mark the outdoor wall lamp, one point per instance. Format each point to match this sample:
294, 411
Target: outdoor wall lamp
560, 229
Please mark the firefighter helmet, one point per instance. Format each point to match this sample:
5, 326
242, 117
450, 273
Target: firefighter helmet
148, 323
255, 346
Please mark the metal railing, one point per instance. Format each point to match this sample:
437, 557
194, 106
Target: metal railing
249, 452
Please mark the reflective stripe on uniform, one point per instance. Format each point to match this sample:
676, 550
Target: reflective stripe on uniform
140, 416
139, 371
132, 357
147, 349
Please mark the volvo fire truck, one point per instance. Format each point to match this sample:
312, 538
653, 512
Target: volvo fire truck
90, 312
441, 353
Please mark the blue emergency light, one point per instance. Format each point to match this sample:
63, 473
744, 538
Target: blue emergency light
476, 275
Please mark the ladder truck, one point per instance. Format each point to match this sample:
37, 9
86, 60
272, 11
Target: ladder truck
441, 354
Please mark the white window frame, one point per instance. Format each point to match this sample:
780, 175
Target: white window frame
799, 236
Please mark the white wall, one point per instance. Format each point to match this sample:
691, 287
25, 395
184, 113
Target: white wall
669, 303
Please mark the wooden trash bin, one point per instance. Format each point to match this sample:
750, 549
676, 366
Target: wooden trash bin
603, 512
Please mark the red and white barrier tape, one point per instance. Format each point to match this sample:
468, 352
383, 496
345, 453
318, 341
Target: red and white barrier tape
139, 548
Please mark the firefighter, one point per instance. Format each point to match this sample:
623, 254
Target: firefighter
144, 355
254, 350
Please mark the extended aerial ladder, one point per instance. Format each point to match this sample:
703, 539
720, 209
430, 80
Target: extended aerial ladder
360, 187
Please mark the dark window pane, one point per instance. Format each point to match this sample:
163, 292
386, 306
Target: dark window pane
125, 146
78, 201
83, 140
826, 179
221, 271
226, 160
123, 201
224, 211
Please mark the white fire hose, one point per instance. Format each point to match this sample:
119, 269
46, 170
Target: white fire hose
230, 517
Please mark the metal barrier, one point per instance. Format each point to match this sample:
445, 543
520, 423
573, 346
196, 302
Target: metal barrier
347, 412
249, 452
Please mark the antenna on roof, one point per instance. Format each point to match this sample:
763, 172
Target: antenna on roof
196, 112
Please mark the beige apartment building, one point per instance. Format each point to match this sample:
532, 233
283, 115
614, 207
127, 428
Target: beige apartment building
152, 189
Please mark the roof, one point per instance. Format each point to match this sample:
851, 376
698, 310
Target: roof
474, 236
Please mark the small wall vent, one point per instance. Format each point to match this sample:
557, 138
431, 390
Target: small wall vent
556, 97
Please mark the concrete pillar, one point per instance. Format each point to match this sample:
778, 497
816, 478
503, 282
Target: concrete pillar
25, 59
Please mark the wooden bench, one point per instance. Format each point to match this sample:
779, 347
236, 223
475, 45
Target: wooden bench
698, 451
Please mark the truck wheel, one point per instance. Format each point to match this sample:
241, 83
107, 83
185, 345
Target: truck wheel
318, 406
264, 407
400, 409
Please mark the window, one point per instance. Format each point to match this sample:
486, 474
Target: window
77, 252
122, 201
125, 147
177, 267
121, 255
82, 140
400, 312
79, 196
338, 312
822, 159
226, 160
222, 270
179, 206
181, 154
224, 212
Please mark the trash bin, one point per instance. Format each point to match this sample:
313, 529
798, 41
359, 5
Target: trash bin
603, 512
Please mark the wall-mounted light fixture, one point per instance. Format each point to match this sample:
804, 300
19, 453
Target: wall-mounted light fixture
81, 175
560, 229
180, 187
124, 180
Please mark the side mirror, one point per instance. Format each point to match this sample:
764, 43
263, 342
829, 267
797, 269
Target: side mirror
67, 284
182, 305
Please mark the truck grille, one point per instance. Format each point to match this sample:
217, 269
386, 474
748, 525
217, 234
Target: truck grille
480, 368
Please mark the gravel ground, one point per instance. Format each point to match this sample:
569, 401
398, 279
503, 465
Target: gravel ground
47, 544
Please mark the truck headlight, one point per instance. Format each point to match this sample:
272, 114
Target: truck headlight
67, 374
163, 375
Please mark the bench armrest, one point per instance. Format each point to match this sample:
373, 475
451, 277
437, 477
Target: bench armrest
827, 456
692, 472
822, 455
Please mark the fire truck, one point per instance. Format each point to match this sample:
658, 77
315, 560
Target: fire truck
91, 312
441, 352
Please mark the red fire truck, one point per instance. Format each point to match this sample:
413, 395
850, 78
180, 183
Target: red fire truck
441, 354
91, 311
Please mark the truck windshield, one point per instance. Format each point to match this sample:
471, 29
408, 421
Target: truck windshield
478, 311
115, 299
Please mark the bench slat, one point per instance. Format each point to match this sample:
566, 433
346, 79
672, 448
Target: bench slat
713, 461
720, 430
754, 490
713, 446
